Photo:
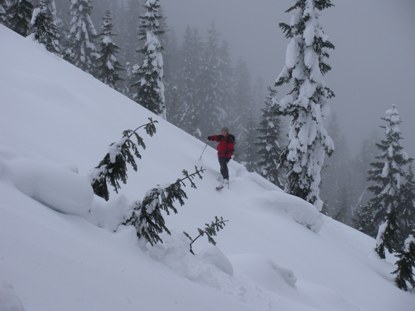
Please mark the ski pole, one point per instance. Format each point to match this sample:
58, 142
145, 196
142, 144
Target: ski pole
200, 158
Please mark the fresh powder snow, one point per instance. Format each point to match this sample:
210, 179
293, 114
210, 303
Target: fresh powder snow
61, 247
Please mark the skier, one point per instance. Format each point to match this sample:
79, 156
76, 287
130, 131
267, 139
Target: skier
225, 150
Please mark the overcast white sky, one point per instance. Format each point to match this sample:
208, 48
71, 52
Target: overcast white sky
373, 64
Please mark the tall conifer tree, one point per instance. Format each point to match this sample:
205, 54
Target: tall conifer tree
19, 16
44, 28
268, 141
82, 50
3, 10
406, 264
148, 85
387, 175
407, 208
388, 234
306, 104
108, 66
359, 167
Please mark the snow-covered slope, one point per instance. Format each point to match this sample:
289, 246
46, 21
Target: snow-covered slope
57, 247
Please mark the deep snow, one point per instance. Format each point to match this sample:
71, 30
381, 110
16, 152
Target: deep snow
58, 250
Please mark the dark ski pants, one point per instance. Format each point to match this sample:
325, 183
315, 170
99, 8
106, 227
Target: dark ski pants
224, 167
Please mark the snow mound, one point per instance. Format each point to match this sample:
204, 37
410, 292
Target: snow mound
215, 256
275, 199
297, 209
265, 272
54, 186
211, 267
8, 298
109, 215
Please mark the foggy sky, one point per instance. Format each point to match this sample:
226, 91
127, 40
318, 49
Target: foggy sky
373, 63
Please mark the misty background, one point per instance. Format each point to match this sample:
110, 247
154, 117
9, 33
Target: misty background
373, 68
373, 63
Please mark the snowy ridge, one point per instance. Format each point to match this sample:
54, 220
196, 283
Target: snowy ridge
58, 248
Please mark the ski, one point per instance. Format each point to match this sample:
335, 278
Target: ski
221, 186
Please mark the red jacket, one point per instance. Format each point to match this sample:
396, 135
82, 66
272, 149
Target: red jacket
226, 145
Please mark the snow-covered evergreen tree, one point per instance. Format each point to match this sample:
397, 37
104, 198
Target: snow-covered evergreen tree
44, 28
52, 9
60, 27
268, 141
147, 85
387, 175
108, 67
3, 10
19, 16
359, 167
388, 233
82, 50
306, 104
407, 208
406, 264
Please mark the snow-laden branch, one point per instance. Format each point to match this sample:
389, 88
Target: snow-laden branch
113, 167
147, 215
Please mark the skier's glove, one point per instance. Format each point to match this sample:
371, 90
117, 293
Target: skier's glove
209, 137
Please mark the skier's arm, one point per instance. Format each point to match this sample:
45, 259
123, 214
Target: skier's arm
215, 137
